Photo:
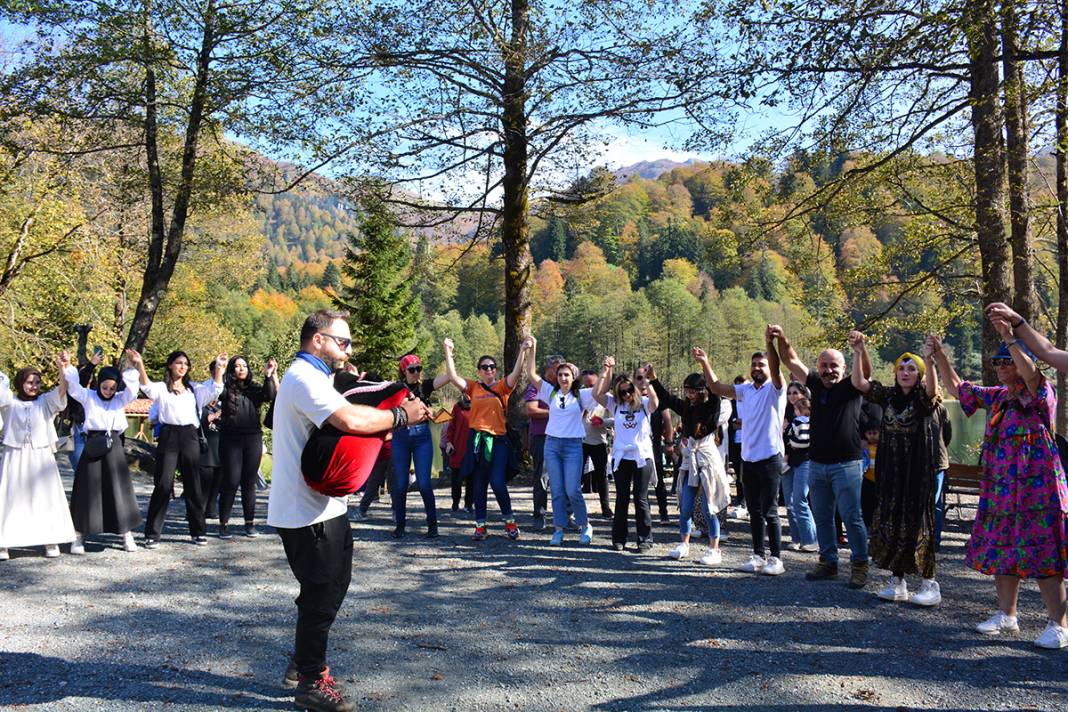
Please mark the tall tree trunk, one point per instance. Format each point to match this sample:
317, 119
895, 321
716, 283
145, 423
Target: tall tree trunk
1062, 218
989, 166
165, 245
515, 217
1016, 135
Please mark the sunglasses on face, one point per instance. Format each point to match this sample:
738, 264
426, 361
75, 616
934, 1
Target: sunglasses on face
640, 379
626, 391
341, 340
1001, 361
488, 366
415, 369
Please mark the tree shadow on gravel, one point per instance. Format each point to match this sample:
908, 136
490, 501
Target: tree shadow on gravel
29, 678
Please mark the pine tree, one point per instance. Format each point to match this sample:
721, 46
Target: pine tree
375, 291
331, 278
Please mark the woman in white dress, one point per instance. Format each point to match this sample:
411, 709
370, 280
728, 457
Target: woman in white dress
103, 499
33, 505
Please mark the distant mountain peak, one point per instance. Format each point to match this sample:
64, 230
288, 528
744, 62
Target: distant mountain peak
651, 170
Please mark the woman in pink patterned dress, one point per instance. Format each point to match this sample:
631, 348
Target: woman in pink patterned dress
1019, 527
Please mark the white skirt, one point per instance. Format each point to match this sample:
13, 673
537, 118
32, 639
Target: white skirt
33, 506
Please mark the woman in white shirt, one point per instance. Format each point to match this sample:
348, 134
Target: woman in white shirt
102, 498
33, 505
632, 453
178, 446
564, 434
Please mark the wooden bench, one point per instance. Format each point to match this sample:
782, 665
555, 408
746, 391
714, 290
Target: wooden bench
961, 480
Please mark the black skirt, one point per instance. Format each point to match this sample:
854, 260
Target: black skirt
103, 499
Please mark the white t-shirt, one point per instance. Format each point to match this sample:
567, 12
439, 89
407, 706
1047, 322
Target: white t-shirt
633, 432
182, 408
306, 398
762, 411
565, 411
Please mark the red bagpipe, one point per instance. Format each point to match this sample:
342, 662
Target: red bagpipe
336, 463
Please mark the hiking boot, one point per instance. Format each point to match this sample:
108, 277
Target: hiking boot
321, 693
824, 570
858, 575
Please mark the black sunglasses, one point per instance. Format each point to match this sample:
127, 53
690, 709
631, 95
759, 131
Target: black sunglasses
488, 366
626, 391
341, 340
415, 369
1001, 361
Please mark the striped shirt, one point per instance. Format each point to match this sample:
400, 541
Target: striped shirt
798, 438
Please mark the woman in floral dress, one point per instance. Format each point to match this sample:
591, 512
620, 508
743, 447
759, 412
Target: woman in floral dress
1019, 527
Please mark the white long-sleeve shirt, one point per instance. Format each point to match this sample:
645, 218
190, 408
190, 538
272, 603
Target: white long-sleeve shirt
103, 414
182, 408
29, 423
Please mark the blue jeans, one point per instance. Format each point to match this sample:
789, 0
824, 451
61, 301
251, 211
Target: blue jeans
563, 462
490, 473
798, 514
838, 485
940, 506
413, 442
687, 503
77, 434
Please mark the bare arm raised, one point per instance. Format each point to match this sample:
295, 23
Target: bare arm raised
788, 355
714, 384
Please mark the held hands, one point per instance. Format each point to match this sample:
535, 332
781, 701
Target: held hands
449, 346
1004, 312
774, 331
933, 345
856, 340
1003, 328
416, 410
650, 374
699, 354
609, 363
529, 343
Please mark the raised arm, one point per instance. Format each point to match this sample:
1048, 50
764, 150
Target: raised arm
135, 360
74, 387
62, 362
950, 379
860, 352
1024, 365
787, 354
774, 363
450, 366
1041, 346
6, 395
663, 397
714, 384
930, 377
600, 392
528, 355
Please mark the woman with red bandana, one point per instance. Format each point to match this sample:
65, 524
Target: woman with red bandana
415, 443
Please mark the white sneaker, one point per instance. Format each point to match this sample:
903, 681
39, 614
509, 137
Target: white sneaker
774, 566
1054, 637
998, 623
712, 557
680, 552
128, 542
895, 590
741, 513
51, 551
795, 546
755, 565
587, 534
928, 595
4, 556
809, 548
78, 545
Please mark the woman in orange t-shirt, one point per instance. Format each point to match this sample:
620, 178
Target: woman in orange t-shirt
488, 449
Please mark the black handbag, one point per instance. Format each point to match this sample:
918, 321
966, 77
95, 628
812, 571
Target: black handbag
97, 445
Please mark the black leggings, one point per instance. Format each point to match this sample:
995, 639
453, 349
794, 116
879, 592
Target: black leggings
240, 454
597, 480
178, 448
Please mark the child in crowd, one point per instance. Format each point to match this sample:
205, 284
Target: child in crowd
870, 431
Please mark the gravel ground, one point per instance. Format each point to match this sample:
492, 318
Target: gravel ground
455, 625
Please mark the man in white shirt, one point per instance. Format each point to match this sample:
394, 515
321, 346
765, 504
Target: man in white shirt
314, 528
761, 408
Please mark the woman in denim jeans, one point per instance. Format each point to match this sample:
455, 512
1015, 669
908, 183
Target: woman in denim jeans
795, 479
414, 443
564, 434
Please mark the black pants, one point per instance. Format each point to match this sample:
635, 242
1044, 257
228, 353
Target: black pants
762, 500
537, 454
734, 455
597, 480
462, 485
178, 448
379, 474
320, 556
240, 455
868, 499
661, 486
211, 483
631, 479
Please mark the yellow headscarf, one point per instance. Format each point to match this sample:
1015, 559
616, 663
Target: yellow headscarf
907, 356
